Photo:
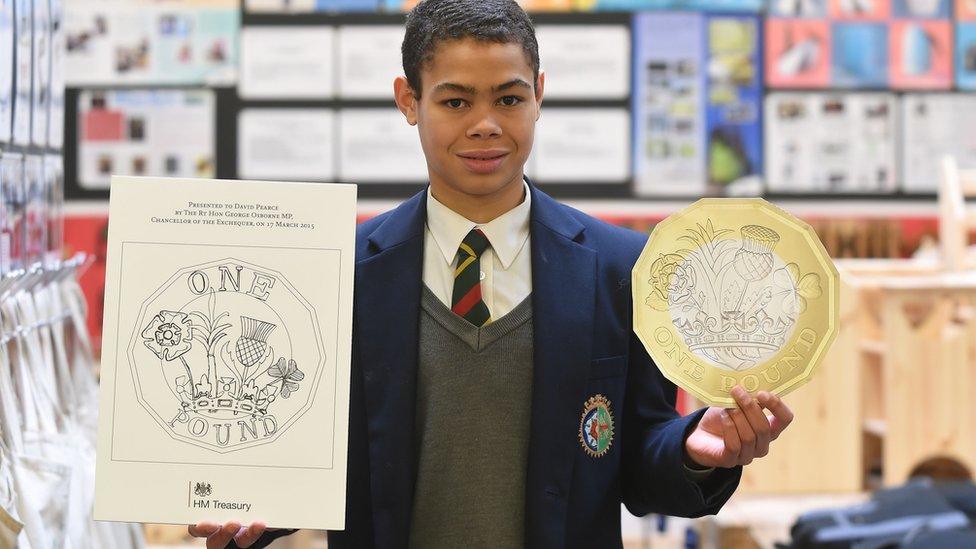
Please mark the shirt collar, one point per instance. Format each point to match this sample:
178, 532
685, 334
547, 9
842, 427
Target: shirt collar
507, 233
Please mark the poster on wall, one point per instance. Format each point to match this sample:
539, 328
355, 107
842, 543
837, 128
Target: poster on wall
921, 54
734, 100
859, 56
399, 160
23, 97
6, 69
935, 125
831, 142
697, 102
797, 53
186, 42
581, 145
165, 132
585, 61
369, 60
669, 89
286, 144
293, 62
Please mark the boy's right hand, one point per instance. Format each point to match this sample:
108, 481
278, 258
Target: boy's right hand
219, 536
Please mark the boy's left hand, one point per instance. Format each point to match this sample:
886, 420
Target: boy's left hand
736, 436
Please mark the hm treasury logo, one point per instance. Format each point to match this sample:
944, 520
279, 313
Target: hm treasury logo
226, 355
203, 490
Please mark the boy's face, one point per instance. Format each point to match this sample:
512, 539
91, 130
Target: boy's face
476, 117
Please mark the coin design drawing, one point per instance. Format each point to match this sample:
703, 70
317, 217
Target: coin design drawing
214, 360
735, 291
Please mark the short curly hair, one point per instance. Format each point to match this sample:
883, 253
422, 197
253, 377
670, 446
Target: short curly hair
431, 22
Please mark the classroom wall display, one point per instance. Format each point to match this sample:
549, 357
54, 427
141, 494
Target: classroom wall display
585, 61
836, 142
286, 144
190, 42
294, 62
6, 69
903, 44
164, 132
936, 124
697, 102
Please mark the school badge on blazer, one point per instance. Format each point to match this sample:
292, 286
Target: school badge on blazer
596, 426
215, 359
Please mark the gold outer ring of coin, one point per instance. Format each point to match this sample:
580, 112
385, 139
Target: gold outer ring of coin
735, 292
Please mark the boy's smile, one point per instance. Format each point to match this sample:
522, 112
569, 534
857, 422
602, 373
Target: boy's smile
476, 118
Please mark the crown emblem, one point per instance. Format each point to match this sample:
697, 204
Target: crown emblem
731, 298
219, 334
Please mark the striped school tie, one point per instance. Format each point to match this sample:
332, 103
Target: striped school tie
466, 300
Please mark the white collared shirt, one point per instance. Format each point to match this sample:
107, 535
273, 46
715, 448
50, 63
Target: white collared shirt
506, 266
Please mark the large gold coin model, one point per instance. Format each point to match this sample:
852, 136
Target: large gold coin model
735, 291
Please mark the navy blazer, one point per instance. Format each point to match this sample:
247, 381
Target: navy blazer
584, 346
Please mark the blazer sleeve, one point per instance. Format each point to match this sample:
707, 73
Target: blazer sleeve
654, 479
265, 539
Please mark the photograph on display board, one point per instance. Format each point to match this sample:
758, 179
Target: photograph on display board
798, 8
144, 132
6, 69
669, 127
921, 54
860, 55
141, 42
734, 100
965, 54
875, 10
797, 53
921, 8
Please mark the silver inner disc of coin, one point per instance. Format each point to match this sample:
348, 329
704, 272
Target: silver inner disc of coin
733, 305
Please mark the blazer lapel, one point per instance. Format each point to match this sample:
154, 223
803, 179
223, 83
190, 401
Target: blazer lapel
563, 294
388, 293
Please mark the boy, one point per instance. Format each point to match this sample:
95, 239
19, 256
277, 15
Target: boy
499, 395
